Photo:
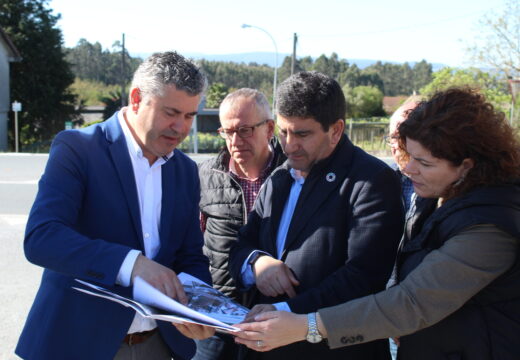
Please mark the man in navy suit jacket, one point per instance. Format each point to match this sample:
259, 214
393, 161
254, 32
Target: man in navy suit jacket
117, 200
326, 224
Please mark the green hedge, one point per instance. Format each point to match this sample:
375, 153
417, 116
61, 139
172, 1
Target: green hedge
207, 143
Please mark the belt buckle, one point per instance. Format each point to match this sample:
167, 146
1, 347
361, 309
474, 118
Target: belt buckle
130, 337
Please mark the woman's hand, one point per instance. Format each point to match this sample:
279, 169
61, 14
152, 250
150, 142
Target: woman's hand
271, 330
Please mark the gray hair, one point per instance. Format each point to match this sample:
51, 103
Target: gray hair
168, 68
262, 105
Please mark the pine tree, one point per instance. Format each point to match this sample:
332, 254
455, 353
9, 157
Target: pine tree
41, 80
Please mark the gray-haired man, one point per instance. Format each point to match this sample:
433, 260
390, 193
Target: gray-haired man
116, 201
230, 183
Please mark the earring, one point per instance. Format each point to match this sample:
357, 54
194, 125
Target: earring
459, 181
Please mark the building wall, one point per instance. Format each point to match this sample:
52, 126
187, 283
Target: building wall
4, 95
208, 123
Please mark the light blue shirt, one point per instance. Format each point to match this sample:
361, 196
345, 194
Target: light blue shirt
248, 278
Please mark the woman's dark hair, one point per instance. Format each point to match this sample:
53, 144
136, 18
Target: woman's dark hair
459, 123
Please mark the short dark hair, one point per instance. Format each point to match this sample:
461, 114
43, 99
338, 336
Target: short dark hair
459, 123
168, 68
310, 94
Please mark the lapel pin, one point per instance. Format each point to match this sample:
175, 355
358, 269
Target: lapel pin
330, 177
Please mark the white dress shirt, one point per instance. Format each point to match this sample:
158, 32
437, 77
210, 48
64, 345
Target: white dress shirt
148, 179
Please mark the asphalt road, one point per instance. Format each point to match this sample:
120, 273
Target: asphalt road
19, 280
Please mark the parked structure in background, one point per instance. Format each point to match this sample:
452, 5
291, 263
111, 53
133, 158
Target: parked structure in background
8, 54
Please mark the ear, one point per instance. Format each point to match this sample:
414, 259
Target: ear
466, 165
270, 128
135, 99
337, 130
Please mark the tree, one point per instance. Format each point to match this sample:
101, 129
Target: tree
235, 76
498, 43
92, 62
364, 101
41, 80
491, 86
422, 74
112, 103
332, 66
216, 93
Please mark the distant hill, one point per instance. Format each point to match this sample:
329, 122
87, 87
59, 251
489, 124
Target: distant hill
268, 58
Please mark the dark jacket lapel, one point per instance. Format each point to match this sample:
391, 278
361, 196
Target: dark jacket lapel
168, 203
119, 153
322, 181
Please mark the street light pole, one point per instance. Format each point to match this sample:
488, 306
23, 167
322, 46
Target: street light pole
244, 26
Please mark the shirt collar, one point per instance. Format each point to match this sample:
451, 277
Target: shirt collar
133, 147
297, 176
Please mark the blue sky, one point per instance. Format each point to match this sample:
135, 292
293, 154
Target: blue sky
403, 30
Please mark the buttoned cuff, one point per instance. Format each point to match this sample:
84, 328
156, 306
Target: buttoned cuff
124, 277
282, 306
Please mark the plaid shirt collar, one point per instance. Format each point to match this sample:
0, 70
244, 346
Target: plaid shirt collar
251, 187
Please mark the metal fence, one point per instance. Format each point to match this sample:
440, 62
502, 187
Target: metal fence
370, 136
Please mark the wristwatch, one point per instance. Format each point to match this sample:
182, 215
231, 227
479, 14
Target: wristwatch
313, 335
254, 257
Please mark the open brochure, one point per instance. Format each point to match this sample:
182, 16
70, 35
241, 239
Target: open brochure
206, 306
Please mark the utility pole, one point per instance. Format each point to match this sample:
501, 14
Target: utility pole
293, 58
123, 83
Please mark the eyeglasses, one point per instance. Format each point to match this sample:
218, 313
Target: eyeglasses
243, 131
391, 139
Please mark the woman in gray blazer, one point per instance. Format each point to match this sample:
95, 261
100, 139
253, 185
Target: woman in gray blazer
457, 275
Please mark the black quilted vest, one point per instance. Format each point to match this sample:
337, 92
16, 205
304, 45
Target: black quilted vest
223, 205
488, 325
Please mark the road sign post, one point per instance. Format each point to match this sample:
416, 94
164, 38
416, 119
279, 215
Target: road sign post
16, 107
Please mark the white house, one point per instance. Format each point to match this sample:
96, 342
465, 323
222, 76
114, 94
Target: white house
8, 53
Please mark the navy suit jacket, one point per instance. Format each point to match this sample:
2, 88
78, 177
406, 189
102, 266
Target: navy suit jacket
84, 221
341, 243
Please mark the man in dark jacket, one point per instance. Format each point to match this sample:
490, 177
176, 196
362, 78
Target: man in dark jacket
326, 225
230, 183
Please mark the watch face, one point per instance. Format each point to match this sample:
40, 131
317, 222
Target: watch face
314, 338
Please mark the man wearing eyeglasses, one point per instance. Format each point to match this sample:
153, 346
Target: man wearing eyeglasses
230, 183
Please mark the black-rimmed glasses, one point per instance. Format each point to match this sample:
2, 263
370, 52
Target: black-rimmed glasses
243, 131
